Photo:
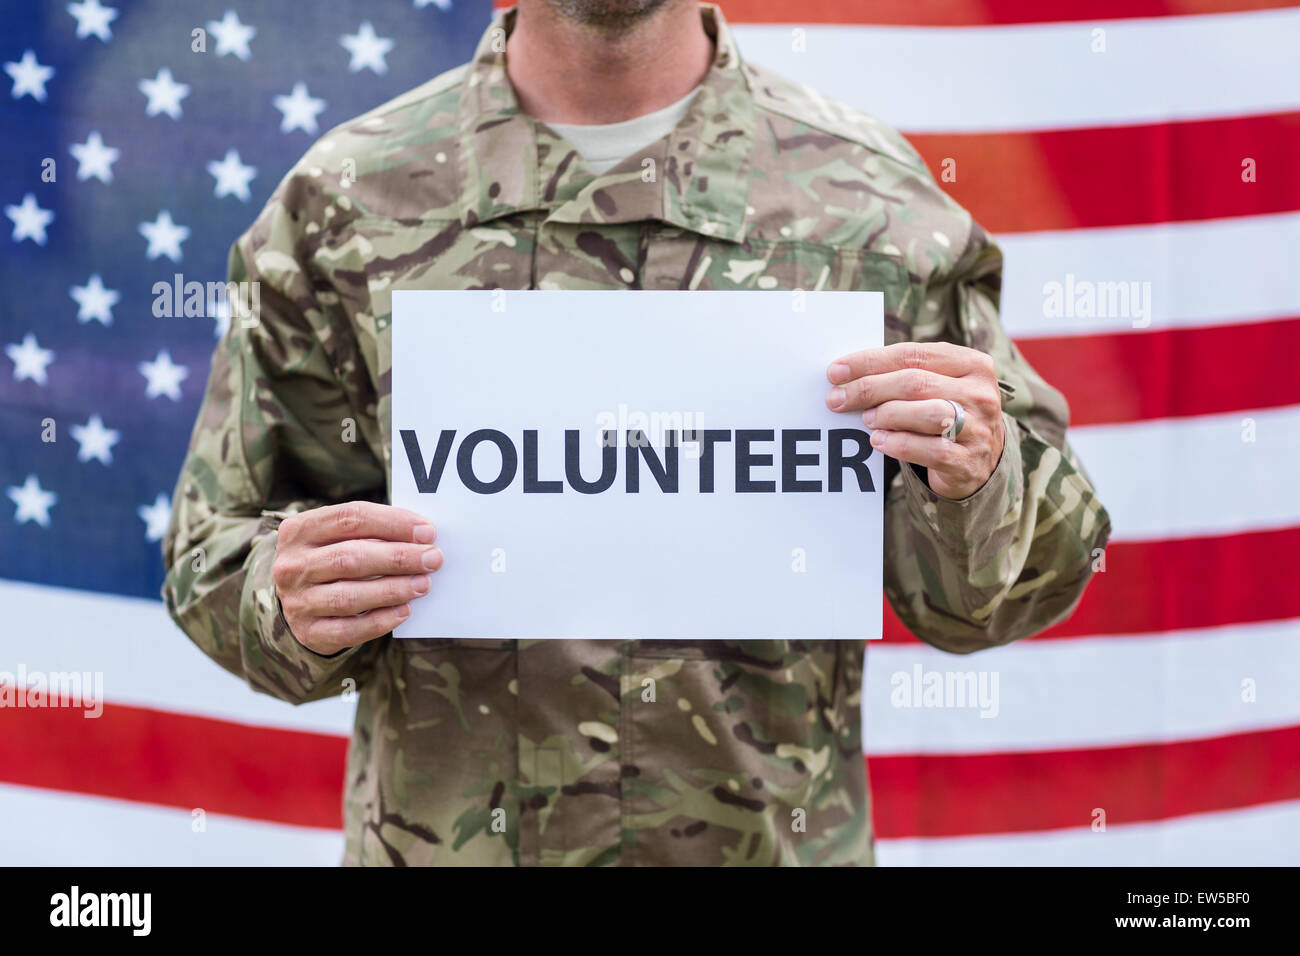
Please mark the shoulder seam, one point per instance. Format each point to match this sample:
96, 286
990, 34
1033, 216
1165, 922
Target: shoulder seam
767, 106
839, 134
443, 83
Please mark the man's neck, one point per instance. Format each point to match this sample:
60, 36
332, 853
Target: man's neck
564, 71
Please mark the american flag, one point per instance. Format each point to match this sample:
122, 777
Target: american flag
1136, 160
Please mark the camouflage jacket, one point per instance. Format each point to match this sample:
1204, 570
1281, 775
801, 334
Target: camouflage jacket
546, 752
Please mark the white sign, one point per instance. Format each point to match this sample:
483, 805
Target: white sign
629, 465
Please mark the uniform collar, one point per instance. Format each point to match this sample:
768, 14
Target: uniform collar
695, 178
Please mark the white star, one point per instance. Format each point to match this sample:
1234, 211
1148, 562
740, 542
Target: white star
30, 220
94, 301
29, 360
299, 109
232, 176
156, 517
95, 440
164, 377
94, 158
443, 5
164, 93
29, 76
367, 49
92, 19
232, 36
33, 501
165, 237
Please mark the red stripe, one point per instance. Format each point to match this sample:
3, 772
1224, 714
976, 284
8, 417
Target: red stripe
968, 13
1140, 376
1154, 586
177, 760
292, 777
1119, 175
958, 795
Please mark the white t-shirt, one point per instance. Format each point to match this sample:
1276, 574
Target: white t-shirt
604, 146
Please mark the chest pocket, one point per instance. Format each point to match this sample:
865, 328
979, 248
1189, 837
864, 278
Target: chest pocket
675, 259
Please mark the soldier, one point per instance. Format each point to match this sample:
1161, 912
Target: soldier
611, 144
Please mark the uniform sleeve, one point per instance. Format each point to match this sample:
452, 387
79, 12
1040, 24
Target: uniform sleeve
272, 439
1014, 557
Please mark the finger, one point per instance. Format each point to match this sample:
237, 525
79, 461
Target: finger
908, 385
929, 417
357, 519
367, 558
928, 451
341, 598
350, 631
945, 358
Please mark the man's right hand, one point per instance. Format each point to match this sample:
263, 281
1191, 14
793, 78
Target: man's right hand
344, 573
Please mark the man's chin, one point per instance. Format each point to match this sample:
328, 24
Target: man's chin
606, 14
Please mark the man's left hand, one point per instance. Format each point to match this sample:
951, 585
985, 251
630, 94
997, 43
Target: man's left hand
903, 391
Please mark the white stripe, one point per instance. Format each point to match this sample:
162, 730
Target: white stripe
1214, 272
45, 828
1256, 836
1082, 693
1043, 76
1195, 477
48, 828
144, 658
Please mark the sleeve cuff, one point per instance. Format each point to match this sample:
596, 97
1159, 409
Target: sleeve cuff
264, 630
960, 523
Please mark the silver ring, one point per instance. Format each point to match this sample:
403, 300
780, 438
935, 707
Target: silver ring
958, 421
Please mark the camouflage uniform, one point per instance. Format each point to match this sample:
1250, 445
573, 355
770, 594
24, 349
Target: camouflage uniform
751, 752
